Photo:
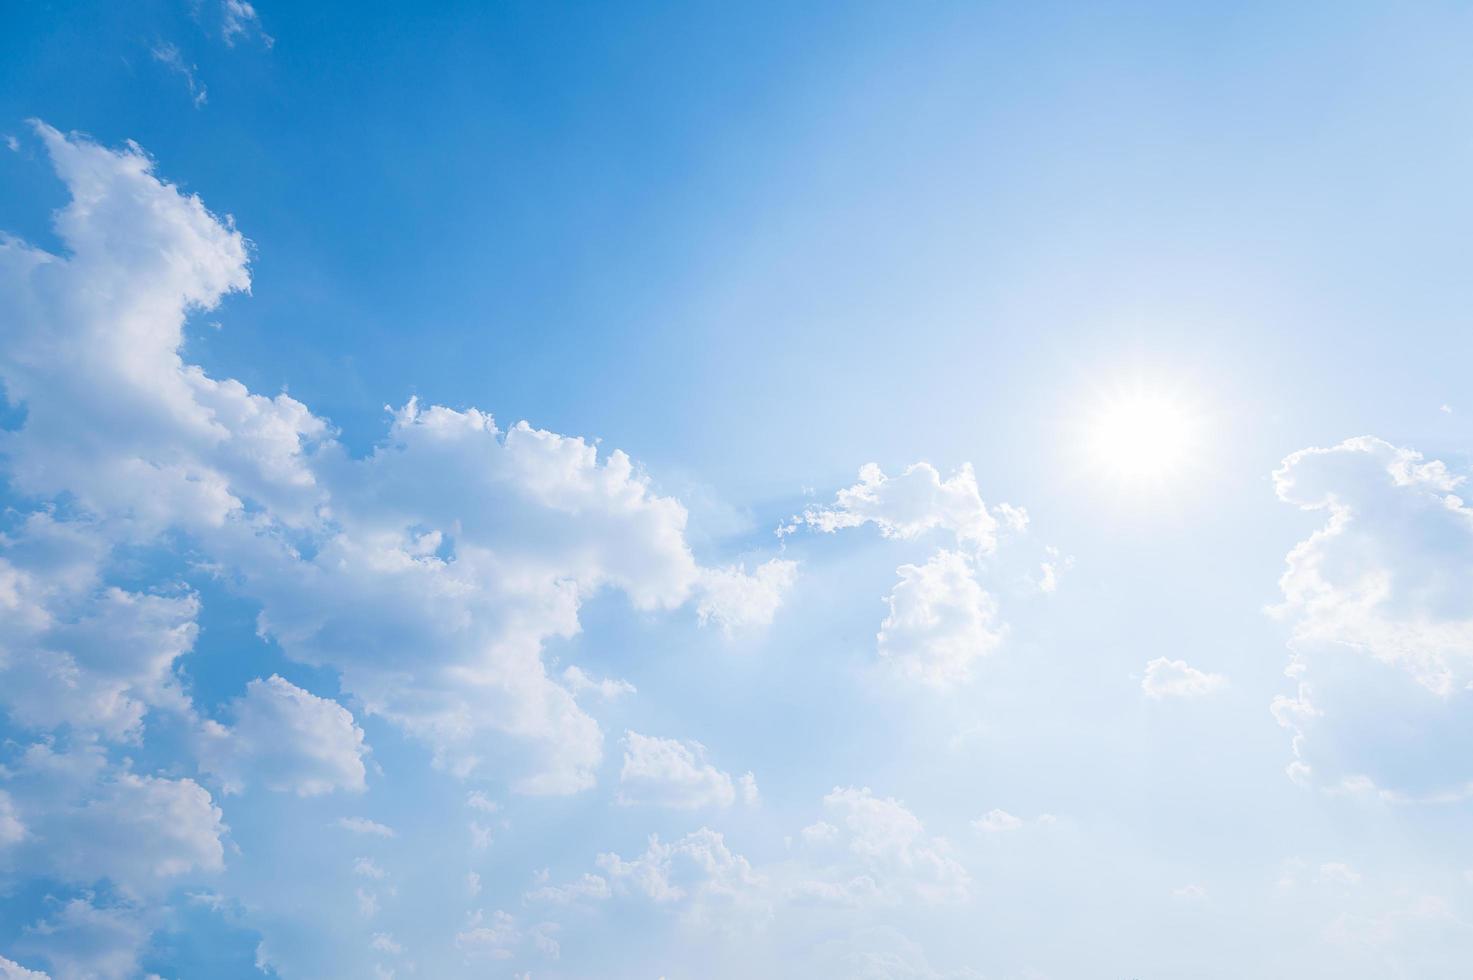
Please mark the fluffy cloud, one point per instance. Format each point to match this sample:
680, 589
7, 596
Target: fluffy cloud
735, 600
10, 970
941, 620
915, 502
428, 574
285, 739
1382, 621
699, 871
83, 941
89, 820
77, 652
1175, 679
896, 857
667, 772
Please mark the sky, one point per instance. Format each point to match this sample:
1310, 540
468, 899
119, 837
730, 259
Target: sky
951, 490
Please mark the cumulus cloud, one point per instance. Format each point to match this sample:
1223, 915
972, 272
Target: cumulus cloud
733, 599
713, 884
941, 620
94, 820
667, 772
915, 502
1174, 679
11, 829
1381, 616
75, 651
429, 574
11, 970
285, 739
84, 941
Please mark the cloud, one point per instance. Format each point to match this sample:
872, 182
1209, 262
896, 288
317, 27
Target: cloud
96, 821
238, 19
428, 574
83, 941
997, 821
915, 502
699, 871
608, 689
588, 887
168, 55
10, 970
358, 825
1381, 621
1174, 679
77, 652
287, 740
666, 772
1339, 873
735, 600
493, 935
941, 620
898, 857
12, 831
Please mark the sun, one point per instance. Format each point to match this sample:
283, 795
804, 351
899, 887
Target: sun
1143, 437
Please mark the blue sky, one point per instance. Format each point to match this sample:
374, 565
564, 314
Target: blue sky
989, 503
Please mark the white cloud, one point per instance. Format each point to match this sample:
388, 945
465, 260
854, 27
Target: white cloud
285, 739
666, 772
366, 868
95, 821
897, 855
238, 19
1339, 873
455, 546
589, 887
477, 800
10, 970
712, 883
1174, 679
941, 620
492, 935
359, 825
735, 600
12, 831
606, 688
1385, 574
1382, 622
83, 941
169, 56
1190, 893
915, 502
76, 652
997, 821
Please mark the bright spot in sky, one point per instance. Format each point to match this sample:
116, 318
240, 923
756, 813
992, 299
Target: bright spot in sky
1143, 437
